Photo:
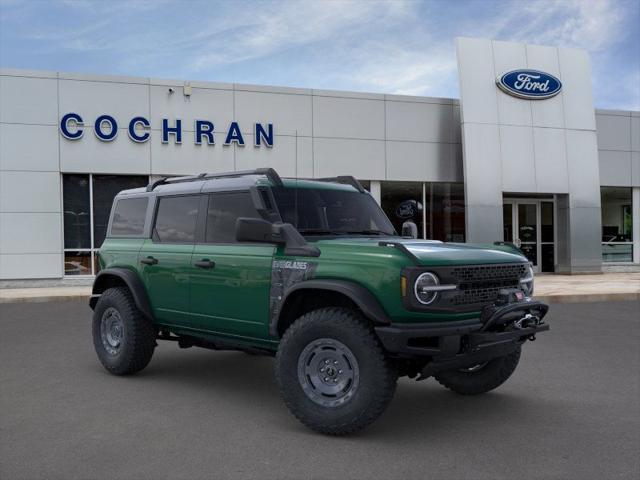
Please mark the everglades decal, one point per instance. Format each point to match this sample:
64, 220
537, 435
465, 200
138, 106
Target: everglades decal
529, 84
290, 264
284, 275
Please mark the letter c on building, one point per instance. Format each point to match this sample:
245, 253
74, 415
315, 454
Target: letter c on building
64, 126
106, 137
133, 135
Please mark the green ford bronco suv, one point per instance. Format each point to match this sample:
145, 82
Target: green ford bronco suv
312, 272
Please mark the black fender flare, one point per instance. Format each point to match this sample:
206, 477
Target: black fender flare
361, 296
133, 282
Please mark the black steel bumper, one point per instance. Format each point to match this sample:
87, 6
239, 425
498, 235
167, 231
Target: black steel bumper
450, 345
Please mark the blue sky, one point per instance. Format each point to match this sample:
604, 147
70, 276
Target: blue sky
402, 47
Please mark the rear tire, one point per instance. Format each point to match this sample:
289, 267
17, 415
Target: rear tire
474, 381
332, 372
123, 338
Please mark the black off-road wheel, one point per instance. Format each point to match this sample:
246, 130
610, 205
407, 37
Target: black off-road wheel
123, 338
332, 372
480, 378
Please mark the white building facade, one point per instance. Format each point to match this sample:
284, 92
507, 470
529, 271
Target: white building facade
553, 175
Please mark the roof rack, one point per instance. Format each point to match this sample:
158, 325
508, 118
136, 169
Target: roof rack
270, 173
345, 179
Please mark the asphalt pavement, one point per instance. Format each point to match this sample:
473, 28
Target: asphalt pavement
571, 410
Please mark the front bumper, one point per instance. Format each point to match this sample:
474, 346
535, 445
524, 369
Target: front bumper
450, 345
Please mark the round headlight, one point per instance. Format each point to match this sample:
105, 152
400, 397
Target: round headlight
423, 288
526, 281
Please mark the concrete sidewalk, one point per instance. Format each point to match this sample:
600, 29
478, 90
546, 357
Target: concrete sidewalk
549, 288
44, 294
606, 287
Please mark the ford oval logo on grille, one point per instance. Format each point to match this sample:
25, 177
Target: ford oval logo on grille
529, 84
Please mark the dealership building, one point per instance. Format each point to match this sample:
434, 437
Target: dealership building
522, 156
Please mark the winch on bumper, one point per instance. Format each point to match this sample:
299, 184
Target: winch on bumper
500, 329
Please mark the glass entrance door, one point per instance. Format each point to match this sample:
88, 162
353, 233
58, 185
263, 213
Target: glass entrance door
529, 224
527, 231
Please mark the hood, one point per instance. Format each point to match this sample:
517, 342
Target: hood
435, 253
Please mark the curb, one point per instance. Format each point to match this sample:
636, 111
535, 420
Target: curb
590, 297
45, 298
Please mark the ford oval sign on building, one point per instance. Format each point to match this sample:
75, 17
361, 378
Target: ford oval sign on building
529, 84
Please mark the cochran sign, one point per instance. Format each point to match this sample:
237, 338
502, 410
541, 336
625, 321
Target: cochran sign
529, 84
105, 128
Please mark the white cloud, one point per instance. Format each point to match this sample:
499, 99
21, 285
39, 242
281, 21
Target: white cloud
291, 25
590, 24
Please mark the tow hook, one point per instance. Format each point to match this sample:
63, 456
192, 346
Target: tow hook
527, 321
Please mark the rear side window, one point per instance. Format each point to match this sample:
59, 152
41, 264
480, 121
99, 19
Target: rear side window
128, 216
176, 219
224, 210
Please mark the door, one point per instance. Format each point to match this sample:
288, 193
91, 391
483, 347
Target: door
230, 281
165, 259
527, 231
529, 224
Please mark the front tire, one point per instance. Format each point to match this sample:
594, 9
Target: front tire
332, 372
123, 338
480, 378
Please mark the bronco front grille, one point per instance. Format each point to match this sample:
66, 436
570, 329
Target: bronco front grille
479, 284
476, 285
481, 273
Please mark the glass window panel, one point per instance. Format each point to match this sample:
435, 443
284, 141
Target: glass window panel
224, 210
129, 215
547, 262
77, 218
445, 212
322, 211
176, 219
507, 220
627, 225
393, 195
527, 222
530, 251
546, 228
77, 263
617, 224
616, 214
617, 252
105, 188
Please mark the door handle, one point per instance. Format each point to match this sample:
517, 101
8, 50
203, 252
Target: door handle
205, 263
149, 261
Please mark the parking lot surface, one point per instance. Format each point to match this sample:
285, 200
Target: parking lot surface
571, 410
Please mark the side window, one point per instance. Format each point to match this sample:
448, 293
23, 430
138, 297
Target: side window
176, 219
128, 216
224, 210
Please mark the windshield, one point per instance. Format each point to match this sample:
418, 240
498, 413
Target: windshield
317, 211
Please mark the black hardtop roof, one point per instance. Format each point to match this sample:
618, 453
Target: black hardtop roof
229, 181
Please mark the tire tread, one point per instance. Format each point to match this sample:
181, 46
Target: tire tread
140, 341
490, 377
341, 318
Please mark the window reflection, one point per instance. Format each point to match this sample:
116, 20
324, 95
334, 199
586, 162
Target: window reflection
78, 204
443, 205
617, 224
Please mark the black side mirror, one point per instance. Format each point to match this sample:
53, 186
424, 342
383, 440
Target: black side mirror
261, 231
